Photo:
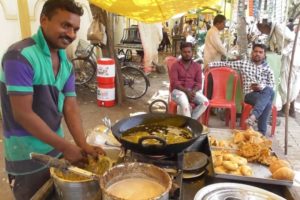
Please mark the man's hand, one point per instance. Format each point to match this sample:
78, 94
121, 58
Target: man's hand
256, 87
190, 95
74, 154
78, 156
93, 150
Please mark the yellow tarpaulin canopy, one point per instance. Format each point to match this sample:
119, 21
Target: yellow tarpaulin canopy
151, 10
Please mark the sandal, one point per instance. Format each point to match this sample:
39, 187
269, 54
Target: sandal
250, 121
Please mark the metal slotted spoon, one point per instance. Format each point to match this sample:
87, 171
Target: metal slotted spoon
107, 123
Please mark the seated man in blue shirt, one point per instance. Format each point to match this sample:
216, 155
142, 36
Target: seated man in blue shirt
258, 83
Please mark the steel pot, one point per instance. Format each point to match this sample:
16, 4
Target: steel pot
127, 171
157, 118
71, 190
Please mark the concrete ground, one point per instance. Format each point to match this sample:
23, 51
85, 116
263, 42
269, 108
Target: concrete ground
91, 116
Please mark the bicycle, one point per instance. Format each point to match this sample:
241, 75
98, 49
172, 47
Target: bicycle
136, 83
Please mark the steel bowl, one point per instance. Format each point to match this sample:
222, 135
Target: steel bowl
135, 170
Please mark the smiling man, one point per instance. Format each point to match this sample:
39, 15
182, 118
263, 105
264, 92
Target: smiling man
258, 83
37, 90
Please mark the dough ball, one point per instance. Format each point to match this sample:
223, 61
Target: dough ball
228, 156
220, 170
274, 166
229, 165
246, 170
284, 173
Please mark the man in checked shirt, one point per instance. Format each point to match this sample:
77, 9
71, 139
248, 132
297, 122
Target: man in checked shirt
258, 83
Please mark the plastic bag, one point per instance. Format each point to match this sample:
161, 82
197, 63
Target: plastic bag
98, 137
95, 32
82, 49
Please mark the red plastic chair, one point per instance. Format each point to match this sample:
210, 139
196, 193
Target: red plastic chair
172, 105
246, 112
220, 77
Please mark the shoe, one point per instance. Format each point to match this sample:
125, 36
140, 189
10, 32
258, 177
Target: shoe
292, 114
278, 121
280, 113
292, 110
250, 121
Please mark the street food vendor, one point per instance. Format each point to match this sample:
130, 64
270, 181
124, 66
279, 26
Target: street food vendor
258, 83
185, 83
37, 90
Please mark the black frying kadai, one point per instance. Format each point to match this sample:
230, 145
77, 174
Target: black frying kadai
157, 119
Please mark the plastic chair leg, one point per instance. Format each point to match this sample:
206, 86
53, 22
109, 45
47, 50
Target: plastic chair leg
227, 117
233, 117
274, 120
245, 114
172, 107
206, 116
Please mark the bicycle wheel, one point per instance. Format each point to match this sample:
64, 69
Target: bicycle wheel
158, 106
84, 70
135, 82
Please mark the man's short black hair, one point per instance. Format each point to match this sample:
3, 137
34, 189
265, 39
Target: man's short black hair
262, 46
219, 19
185, 44
51, 6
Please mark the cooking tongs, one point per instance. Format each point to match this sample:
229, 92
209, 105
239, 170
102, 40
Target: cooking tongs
62, 164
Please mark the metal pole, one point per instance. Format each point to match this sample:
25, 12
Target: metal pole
24, 18
284, 21
224, 7
228, 30
288, 92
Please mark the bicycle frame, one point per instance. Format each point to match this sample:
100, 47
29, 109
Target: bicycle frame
91, 54
147, 79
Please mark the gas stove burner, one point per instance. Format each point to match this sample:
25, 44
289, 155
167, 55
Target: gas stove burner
193, 162
192, 175
164, 161
157, 156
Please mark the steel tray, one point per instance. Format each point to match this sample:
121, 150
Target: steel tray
261, 173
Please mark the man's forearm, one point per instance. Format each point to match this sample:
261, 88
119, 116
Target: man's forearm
73, 121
